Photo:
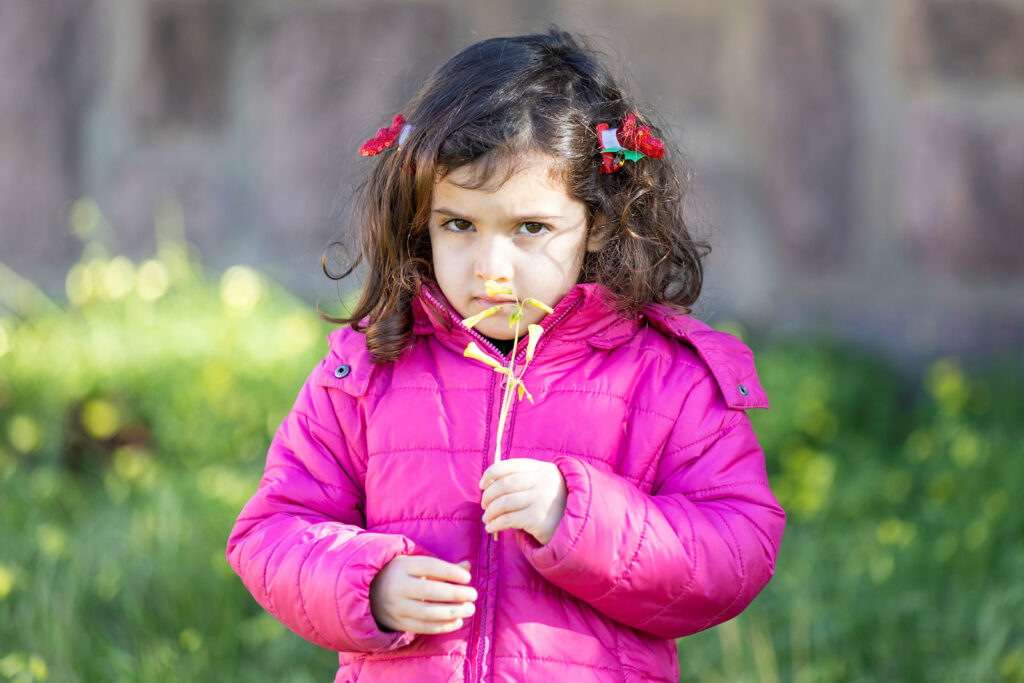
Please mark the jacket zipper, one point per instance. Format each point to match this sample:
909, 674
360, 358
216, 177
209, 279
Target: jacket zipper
476, 650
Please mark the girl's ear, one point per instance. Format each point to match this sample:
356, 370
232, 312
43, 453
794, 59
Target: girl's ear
597, 235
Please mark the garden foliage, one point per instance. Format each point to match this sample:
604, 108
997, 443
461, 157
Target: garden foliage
135, 417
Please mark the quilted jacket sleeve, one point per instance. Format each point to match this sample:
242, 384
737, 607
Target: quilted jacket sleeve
300, 545
691, 554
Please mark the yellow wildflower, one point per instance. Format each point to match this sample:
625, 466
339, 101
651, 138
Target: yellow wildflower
539, 304
473, 351
534, 331
494, 289
474, 319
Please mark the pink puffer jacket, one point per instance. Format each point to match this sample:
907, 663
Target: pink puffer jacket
669, 527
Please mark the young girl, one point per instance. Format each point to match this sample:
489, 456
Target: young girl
630, 506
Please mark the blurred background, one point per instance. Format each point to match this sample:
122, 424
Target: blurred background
171, 171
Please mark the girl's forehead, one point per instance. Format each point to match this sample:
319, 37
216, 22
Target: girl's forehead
533, 188
491, 174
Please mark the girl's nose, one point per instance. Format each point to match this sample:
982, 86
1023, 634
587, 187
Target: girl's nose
493, 259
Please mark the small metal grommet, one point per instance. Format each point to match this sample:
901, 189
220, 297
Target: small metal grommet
341, 372
743, 390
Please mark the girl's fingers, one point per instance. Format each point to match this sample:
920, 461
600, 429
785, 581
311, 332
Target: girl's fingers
429, 627
435, 568
438, 591
435, 612
511, 520
506, 467
511, 502
507, 484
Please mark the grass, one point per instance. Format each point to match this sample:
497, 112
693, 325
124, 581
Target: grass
134, 420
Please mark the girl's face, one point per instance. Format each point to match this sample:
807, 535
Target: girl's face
528, 234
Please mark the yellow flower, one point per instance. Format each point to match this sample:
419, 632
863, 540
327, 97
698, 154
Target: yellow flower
474, 319
494, 289
534, 331
542, 306
473, 351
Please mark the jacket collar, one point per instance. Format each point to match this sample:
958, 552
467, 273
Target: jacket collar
585, 313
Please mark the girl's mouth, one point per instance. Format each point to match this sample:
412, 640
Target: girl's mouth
488, 301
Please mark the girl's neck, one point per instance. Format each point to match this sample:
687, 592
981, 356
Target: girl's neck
503, 345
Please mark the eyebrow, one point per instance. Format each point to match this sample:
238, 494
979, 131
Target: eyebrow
520, 219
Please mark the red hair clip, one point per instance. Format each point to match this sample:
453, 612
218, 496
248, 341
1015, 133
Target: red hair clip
387, 137
626, 143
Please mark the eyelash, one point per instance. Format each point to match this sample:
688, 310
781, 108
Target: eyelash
447, 225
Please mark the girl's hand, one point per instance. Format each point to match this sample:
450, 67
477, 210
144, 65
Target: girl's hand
421, 594
526, 494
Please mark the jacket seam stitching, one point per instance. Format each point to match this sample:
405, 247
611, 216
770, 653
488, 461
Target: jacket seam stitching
337, 607
722, 487
743, 574
689, 582
554, 592
309, 473
582, 456
316, 423
648, 411
553, 660
436, 388
302, 598
427, 655
636, 553
266, 568
586, 518
424, 517
420, 449
757, 526
590, 392
714, 436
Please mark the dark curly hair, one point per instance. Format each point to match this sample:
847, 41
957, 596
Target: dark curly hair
487, 106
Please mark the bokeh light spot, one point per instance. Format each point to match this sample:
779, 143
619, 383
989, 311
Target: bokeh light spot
240, 289
78, 285
945, 381
119, 277
53, 540
101, 419
190, 640
84, 218
918, 446
24, 434
896, 532
966, 449
152, 280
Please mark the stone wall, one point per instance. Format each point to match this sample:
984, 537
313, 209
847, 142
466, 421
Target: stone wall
858, 165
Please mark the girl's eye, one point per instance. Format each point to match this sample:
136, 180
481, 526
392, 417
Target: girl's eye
457, 225
532, 228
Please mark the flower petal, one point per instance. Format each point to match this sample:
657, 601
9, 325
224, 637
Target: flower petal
531, 345
474, 319
542, 306
494, 289
473, 351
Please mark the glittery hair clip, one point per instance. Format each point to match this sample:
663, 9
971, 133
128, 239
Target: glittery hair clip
626, 143
387, 137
